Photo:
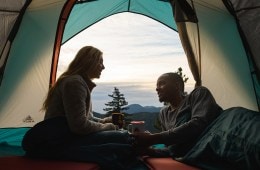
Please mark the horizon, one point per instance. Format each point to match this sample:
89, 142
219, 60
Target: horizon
136, 51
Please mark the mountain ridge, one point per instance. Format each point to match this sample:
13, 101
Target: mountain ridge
149, 114
137, 108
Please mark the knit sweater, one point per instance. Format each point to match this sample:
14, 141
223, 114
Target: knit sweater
72, 98
190, 119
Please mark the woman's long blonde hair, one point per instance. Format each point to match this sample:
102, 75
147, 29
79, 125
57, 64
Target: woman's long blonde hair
85, 61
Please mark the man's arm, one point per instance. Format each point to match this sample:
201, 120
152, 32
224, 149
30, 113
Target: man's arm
204, 110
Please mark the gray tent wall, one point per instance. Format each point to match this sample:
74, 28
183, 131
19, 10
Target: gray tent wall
26, 76
8, 15
247, 15
11, 14
220, 61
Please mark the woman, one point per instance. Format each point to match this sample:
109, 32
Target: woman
69, 130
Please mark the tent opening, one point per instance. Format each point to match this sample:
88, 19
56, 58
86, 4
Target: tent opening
136, 51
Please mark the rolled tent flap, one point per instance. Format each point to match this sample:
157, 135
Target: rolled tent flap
184, 13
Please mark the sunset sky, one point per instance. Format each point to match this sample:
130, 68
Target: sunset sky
136, 50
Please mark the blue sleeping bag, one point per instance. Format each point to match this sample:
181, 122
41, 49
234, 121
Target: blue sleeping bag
232, 141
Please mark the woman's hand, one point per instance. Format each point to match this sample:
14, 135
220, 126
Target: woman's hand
109, 126
106, 120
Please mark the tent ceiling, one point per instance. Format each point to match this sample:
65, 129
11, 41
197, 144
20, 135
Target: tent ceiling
156, 9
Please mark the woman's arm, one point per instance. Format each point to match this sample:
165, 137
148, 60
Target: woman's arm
75, 96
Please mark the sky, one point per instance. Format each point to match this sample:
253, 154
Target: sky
136, 51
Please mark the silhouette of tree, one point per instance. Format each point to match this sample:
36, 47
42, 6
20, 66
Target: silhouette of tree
179, 71
117, 104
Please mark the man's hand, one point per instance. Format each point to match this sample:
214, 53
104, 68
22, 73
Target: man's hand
144, 139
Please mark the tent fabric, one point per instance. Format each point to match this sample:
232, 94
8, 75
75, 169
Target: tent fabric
26, 76
61, 26
183, 12
247, 16
216, 51
219, 56
155, 9
11, 13
11, 141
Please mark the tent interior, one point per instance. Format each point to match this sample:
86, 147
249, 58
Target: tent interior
220, 39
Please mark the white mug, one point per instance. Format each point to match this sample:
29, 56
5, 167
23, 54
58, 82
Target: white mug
136, 126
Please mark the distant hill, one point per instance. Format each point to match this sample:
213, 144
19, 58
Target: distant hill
96, 114
149, 119
136, 108
148, 114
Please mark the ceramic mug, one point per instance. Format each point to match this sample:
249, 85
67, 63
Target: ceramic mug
118, 119
136, 126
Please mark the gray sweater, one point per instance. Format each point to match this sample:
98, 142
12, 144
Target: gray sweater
185, 124
71, 98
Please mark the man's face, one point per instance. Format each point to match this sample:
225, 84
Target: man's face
165, 88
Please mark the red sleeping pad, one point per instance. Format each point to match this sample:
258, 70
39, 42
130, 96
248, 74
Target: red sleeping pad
22, 163
166, 164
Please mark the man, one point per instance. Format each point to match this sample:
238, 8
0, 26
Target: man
183, 119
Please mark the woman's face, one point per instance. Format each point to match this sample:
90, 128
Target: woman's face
96, 72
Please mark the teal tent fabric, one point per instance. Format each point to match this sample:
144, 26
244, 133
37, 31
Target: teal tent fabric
10, 141
95, 11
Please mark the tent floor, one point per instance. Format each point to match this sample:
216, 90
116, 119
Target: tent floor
22, 163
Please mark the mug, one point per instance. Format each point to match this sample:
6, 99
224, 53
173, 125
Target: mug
118, 119
136, 126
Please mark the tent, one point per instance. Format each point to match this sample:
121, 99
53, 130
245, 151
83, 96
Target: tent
221, 40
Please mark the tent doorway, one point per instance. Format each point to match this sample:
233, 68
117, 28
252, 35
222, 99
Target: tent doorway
137, 50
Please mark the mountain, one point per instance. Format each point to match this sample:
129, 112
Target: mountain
136, 108
149, 114
148, 118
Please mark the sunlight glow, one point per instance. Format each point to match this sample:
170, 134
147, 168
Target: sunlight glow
136, 51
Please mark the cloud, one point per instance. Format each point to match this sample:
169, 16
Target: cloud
137, 50
135, 93
142, 93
